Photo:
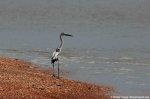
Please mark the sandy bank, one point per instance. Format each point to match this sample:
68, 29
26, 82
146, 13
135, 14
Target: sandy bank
22, 80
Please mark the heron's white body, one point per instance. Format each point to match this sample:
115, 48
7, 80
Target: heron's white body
55, 54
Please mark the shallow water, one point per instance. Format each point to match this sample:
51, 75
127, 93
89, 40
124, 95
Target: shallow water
110, 44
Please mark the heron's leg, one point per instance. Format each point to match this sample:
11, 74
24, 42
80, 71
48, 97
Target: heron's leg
53, 70
58, 68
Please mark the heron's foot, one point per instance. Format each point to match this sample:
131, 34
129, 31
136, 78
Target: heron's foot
54, 75
57, 77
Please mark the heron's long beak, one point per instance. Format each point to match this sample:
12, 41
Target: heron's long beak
67, 35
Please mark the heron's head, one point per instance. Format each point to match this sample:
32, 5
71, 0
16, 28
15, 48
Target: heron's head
64, 34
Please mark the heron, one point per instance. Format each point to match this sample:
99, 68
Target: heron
55, 54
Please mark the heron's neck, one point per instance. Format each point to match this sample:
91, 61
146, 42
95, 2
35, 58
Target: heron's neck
61, 42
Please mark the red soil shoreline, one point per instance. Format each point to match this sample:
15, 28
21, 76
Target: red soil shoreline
22, 80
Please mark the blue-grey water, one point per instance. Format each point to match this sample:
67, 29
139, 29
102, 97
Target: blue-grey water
110, 44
